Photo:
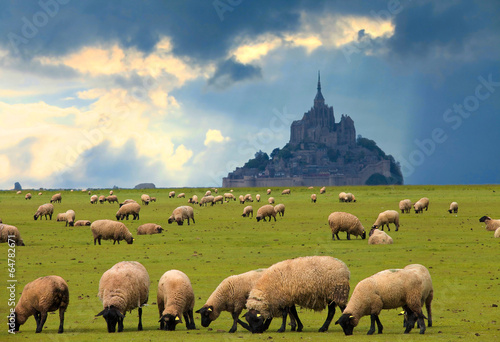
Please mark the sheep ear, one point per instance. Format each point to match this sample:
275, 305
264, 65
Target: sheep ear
100, 313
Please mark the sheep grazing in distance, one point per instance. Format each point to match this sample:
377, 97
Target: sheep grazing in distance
491, 224
219, 198
386, 217
93, 199
313, 282
266, 211
110, 192
81, 223
110, 230
229, 196
405, 206
68, 217
180, 214
10, 234
497, 233
102, 199
453, 207
313, 198
231, 296
40, 193
344, 222
149, 228
322, 190
378, 237
145, 199
153, 199
409, 287
128, 209
248, 198
42, 295
257, 198
194, 199
171, 194
27, 196
268, 191
286, 192
127, 201
421, 204
122, 288
208, 193
349, 197
270, 200
175, 297
181, 195
112, 199
342, 196
247, 211
279, 209
207, 199
242, 199
56, 198
44, 210
19, 192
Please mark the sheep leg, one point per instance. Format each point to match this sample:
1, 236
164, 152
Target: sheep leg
188, 221
61, 320
139, 327
193, 220
267, 323
37, 319
348, 236
295, 317
283, 323
188, 317
329, 317
41, 322
374, 318
237, 320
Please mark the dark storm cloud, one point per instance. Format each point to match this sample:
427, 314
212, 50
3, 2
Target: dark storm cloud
231, 71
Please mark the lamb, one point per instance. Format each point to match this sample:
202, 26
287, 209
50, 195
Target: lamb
491, 224
229, 196
248, 198
266, 211
10, 234
344, 222
27, 196
453, 207
219, 198
270, 200
128, 209
93, 199
405, 206
194, 199
286, 192
81, 223
102, 199
257, 198
112, 198
247, 211
56, 198
180, 214
378, 237
497, 233
313, 282
421, 204
181, 195
242, 199
322, 190
149, 228
44, 210
208, 193
207, 199
231, 296
313, 198
342, 196
68, 216
171, 194
175, 297
42, 295
122, 288
108, 229
145, 199
410, 288
386, 217
153, 199
268, 191
279, 209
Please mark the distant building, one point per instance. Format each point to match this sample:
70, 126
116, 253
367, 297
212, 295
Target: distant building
321, 152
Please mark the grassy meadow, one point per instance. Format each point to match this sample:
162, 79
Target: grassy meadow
462, 257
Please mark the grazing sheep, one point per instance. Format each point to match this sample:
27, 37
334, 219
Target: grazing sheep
112, 199
409, 287
44, 210
248, 198
342, 196
68, 216
229, 196
491, 224
386, 217
19, 192
270, 200
175, 298
127, 201
497, 233
453, 207
344, 222
286, 192
313, 282
313, 198
145, 199
94, 199
27, 196
257, 198
171, 194
89, 193
322, 190
149, 228
279, 209
110, 230
421, 204
81, 223
231, 296
207, 199
266, 211
180, 214
405, 206
242, 199
56, 198
219, 198
128, 209
208, 193
349, 197
268, 191
42, 295
40, 194
110, 192
181, 195
10, 234
122, 288
247, 211
378, 237
102, 199
153, 199
193, 199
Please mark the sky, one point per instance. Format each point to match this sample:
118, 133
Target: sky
180, 93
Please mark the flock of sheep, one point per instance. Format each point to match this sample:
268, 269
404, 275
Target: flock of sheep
314, 282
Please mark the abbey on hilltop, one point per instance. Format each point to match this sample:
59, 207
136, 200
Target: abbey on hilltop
321, 152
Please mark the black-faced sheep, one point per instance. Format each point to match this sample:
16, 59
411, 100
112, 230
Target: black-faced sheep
344, 222
27, 196
270, 200
409, 288
313, 198
229, 196
313, 282
266, 211
128, 209
193, 200
322, 190
453, 207
127, 201
112, 199
10, 234
81, 223
110, 230
180, 214
421, 204
93, 199
219, 198
145, 199
56, 198
286, 192
153, 199
268, 191
68, 217
149, 228
171, 194
342, 196
42, 295
247, 198
122, 288
279, 209
247, 211
378, 237
257, 198
386, 217
181, 195
242, 199
207, 199
491, 224
405, 206
44, 210
102, 199
175, 298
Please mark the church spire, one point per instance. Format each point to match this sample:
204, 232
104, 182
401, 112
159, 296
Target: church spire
319, 99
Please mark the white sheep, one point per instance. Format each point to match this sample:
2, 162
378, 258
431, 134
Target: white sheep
145, 199
242, 199
207, 199
10, 234
322, 190
405, 206
229, 196
421, 204
268, 191
149, 228
122, 288
453, 207
27, 196
193, 199
378, 237
342, 196
349, 197
313, 198
181, 195
279, 209
175, 298
286, 192
93, 199
491, 224
409, 288
70, 218
208, 193
270, 200
110, 230
497, 233
56, 198
112, 198
313, 282
219, 198
127, 201
81, 223
180, 214
266, 211
231, 296
171, 194
344, 222
248, 198
386, 217
247, 211
102, 199
44, 210
110, 192
153, 199
128, 209
257, 198
42, 295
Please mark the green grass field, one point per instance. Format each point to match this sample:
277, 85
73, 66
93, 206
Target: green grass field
460, 254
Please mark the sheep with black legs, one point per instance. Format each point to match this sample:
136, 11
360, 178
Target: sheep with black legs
344, 222
145, 199
313, 198
491, 224
266, 211
44, 210
386, 217
453, 207
279, 209
56, 198
10, 234
180, 214
110, 230
112, 199
421, 204
247, 211
128, 209
149, 228
405, 206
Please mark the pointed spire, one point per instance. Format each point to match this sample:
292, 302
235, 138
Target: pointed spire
319, 99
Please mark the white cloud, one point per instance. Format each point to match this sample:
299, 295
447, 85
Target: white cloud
214, 135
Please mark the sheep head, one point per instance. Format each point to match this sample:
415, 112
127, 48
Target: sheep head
256, 321
347, 322
112, 316
208, 315
169, 321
